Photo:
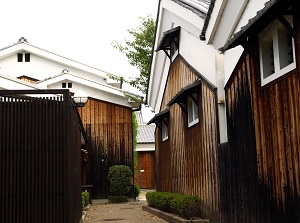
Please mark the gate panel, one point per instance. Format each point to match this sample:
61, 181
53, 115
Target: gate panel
40, 163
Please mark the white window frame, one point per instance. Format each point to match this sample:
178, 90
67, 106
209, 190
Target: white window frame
192, 110
164, 130
271, 33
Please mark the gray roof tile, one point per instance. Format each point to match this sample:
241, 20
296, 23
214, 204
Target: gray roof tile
146, 134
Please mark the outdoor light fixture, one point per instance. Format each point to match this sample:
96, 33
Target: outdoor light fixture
80, 98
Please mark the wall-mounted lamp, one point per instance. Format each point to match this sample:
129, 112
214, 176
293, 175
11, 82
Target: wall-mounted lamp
80, 98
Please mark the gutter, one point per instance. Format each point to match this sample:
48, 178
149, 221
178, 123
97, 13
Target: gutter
206, 21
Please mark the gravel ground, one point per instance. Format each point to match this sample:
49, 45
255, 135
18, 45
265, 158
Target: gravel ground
129, 212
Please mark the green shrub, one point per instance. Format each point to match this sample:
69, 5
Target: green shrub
117, 199
136, 191
185, 206
119, 179
82, 201
85, 197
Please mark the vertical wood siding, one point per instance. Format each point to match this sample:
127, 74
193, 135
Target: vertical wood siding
39, 160
263, 154
187, 162
109, 128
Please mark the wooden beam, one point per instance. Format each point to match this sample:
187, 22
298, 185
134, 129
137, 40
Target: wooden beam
287, 25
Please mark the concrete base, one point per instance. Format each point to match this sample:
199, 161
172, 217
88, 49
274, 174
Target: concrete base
170, 217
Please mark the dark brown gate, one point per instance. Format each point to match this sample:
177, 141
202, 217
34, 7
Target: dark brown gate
145, 177
40, 165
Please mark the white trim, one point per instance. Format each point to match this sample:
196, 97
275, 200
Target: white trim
194, 116
164, 131
271, 32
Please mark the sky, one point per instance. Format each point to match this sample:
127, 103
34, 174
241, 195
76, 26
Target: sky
77, 29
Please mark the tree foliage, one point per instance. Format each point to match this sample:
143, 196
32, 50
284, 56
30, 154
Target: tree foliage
138, 52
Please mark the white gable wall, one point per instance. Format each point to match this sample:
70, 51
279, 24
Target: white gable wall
40, 68
200, 56
47, 67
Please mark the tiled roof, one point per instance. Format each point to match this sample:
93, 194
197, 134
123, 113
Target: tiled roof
200, 7
146, 134
263, 17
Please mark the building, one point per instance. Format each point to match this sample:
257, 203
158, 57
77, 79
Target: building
224, 86
106, 117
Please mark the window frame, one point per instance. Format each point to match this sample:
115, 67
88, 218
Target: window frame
193, 117
272, 33
164, 129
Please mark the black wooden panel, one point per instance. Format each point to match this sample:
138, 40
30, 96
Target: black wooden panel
40, 159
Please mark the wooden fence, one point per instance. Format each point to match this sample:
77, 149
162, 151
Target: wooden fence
40, 165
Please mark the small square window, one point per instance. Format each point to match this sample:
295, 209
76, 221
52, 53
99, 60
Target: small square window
27, 57
192, 109
69, 85
63, 85
20, 57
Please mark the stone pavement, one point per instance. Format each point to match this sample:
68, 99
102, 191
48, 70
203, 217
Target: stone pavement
131, 212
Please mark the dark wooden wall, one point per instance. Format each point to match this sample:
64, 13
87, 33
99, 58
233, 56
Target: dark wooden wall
109, 129
187, 162
260, 172
40, 164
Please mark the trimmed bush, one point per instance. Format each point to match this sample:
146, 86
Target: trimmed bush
117, 199
137, 191
85, 196
185, 206
119, 179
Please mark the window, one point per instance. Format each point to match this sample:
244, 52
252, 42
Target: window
192, 109
164, 129
20, 57
170, 43
187, 99
162, 121
66, 85
277, 54
174, 48
27, 57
